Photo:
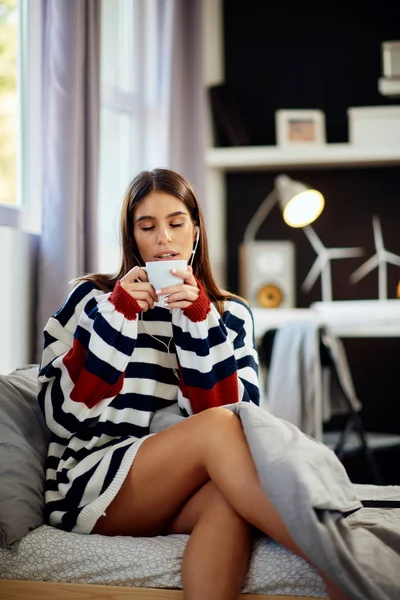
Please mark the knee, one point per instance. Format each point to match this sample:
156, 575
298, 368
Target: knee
221, 424
218, 417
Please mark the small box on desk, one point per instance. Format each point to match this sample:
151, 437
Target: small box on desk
374, 126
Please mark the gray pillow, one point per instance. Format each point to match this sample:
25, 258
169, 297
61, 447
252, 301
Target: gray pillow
24, 439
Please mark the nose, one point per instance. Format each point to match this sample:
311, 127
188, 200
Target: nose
163, 235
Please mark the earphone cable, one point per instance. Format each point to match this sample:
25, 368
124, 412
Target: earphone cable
167, 346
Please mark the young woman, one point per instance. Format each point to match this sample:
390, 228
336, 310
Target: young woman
119, 351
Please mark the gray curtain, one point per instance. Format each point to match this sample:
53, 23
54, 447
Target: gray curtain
188, 121
70, 150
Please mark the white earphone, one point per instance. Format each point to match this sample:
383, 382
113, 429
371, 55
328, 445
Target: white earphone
197, 240
195, 246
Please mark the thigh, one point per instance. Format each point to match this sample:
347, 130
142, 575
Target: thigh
168, 469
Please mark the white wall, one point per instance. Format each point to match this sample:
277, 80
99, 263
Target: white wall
17, 269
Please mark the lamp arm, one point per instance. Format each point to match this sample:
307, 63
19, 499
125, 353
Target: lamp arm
259, 216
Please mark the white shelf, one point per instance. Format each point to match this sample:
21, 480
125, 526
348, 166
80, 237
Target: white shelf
248, 158
346, 318
389, 87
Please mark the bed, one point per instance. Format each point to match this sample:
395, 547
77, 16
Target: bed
39, 561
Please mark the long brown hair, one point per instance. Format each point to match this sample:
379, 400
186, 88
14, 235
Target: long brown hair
169, 182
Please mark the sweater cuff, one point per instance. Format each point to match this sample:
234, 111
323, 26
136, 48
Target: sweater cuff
199, 309
124, 303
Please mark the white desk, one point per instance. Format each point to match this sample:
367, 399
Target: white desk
347, 318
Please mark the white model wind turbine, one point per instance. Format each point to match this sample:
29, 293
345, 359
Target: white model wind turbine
322, 263
380, 259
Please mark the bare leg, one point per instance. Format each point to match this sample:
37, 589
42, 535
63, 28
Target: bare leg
172, 465
216, 557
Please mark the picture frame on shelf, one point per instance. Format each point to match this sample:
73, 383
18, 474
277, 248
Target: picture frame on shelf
300, 127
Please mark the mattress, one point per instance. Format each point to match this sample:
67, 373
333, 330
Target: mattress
48, 554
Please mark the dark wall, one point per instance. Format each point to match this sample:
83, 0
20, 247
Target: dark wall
276, 57
279, 56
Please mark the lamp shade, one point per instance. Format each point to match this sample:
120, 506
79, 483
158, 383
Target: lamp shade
300, 204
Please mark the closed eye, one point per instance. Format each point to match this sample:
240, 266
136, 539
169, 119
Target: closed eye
147, 228
176, 224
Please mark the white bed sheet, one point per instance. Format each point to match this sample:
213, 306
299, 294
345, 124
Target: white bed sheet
48, 554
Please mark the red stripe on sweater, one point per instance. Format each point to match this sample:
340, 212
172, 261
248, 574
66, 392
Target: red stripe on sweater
223, 392
88, 388
199, 309
124, 302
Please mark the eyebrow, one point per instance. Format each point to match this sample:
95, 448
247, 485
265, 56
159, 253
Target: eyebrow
148, 217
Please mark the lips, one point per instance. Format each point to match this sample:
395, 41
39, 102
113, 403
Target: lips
166, 255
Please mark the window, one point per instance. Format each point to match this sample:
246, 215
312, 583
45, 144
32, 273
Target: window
9, 101
20, 123
118, 123
136, 42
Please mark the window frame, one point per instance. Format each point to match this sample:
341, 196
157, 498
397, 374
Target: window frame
26, 213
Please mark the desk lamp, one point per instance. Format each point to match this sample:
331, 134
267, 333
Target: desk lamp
267, 268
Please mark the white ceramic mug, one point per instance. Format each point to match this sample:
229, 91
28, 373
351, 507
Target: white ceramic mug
159, 272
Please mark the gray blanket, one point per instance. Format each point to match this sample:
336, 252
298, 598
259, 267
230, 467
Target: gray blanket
310, 489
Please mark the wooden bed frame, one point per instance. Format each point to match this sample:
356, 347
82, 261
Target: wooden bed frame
47, 590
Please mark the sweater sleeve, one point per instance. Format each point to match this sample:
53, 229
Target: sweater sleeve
87, 346
217, 357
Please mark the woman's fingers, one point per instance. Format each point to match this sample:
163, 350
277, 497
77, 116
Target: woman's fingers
182, 304
135, 274
143, 305
136, 284
185, 293
140, 290
187, 276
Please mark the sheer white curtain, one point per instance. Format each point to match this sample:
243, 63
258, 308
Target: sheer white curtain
70, 142
152, 101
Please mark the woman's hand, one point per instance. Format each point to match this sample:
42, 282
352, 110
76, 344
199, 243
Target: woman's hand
136, 284
183, 294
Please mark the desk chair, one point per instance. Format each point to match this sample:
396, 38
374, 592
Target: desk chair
352, 437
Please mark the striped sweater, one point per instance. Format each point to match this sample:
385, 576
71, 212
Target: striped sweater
107, 368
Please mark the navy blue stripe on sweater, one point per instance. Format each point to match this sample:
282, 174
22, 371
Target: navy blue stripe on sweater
83, 452
145, 341
48, 339
234, 322
113, 337
206, 381
247, 361
142, 370
158, 313
252, 392
83, 336
51, 485
64, 314
141, 402
70, 518
102, 369
65, 419
183, 339
75, 493
52, 462
106, 332
116, 461
117, 430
